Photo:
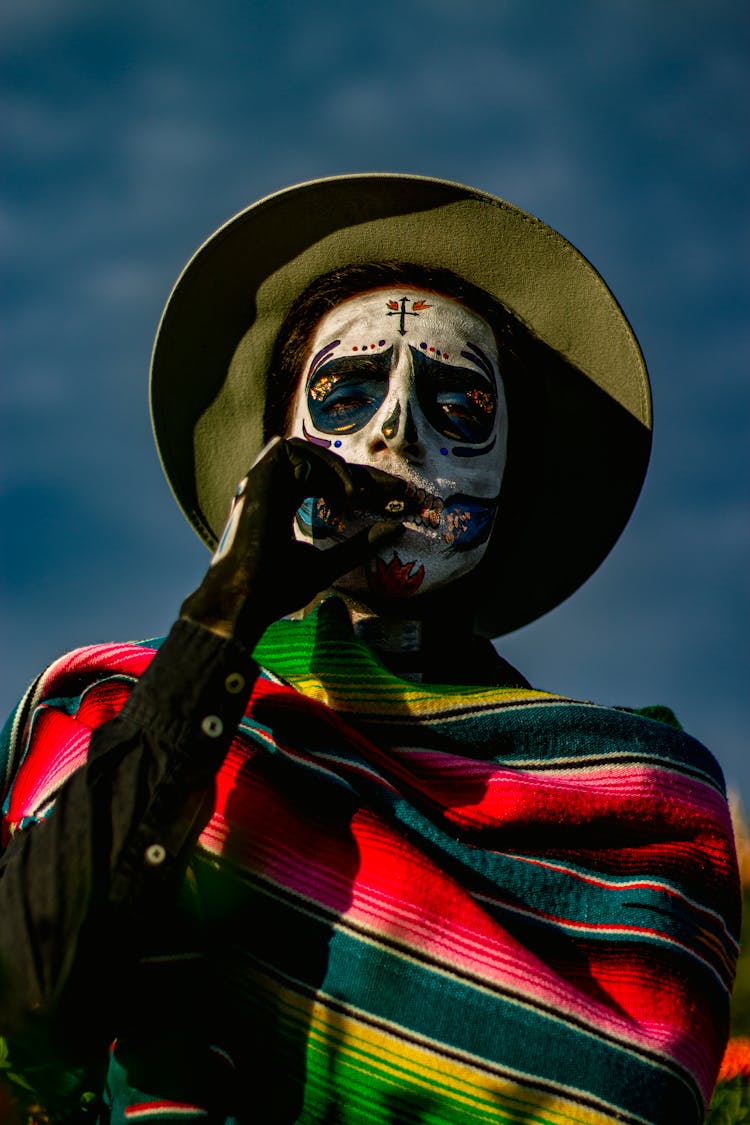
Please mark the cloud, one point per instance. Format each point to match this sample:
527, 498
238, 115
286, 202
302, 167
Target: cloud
22, 20
131, 134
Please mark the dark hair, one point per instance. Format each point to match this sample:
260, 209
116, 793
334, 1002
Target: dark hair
330, 289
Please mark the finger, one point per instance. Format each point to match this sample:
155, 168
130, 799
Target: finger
328, 475
281, 477
381, 492
318, 471
383, 533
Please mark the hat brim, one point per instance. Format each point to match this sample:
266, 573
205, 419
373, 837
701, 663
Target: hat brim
586, 443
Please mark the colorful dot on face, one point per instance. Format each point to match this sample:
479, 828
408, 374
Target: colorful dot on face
337, 445
444, 452
423, 346
381, 343
355, 348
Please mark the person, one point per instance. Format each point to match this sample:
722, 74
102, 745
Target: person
322, 855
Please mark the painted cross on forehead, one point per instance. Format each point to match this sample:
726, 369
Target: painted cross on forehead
408, 382
398, 308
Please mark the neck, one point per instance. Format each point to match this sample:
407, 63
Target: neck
397, 641
431, 646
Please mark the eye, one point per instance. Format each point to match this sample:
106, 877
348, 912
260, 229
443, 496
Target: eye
345, 393
454, 403
342, 399
462, 419
458, 402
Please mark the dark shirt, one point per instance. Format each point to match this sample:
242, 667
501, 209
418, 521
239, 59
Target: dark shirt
95, 884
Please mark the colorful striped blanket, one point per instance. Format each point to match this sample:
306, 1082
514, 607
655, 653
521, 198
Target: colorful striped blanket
435, 904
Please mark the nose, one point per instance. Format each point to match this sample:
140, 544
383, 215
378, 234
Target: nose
398, 433
394, 428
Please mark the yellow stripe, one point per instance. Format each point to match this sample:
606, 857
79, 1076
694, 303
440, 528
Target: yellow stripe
352, 1054
352, 696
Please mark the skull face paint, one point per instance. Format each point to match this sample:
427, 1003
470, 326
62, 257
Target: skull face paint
408, 381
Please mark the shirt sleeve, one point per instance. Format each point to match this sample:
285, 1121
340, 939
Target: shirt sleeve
82, 893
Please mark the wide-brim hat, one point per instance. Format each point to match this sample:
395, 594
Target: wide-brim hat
587, 436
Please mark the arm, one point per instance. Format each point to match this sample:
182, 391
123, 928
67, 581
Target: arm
81, 891
104, 871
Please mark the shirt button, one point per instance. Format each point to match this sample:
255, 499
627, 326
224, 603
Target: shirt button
155, 854
212, 726
234, 683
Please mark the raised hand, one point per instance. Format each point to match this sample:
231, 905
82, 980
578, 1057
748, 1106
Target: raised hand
259, 571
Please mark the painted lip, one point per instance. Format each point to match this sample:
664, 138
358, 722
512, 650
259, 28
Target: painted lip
461, 522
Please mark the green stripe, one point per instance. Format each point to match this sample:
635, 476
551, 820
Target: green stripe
347, 1080
494, 724
399, 992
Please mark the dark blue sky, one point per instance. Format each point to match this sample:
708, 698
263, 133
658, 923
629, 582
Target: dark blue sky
132, 131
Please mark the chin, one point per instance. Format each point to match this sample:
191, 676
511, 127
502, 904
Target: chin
407, 573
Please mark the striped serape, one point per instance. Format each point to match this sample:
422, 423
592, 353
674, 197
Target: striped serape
435, 904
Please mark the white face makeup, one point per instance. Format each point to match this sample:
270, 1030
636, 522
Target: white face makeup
407, 381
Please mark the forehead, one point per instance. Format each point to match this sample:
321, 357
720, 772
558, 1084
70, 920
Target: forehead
404, 312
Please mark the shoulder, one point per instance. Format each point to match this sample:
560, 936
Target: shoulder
73, 695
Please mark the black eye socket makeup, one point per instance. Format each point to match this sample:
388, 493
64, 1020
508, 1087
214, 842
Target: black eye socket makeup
459, 403
345, 393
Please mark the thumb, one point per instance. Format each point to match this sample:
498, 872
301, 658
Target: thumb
343, 557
